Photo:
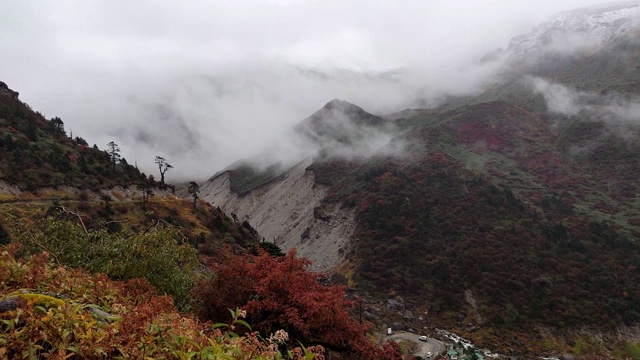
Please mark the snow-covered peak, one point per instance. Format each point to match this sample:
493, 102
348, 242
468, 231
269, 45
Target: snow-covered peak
579, 29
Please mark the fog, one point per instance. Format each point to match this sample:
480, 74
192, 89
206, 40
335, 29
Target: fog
612, 109
560, 99
204, 84
619, 114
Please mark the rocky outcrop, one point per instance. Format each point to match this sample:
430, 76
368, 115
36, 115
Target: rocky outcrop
290, 212
8, 189
5, 91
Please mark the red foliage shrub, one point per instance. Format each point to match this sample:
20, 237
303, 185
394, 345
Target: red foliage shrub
279, 293
93, 317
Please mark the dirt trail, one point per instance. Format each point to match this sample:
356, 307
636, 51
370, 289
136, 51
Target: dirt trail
430, 346
10, 194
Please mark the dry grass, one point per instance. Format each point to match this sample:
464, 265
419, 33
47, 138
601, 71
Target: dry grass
348, 270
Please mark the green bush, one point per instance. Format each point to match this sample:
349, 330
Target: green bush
159, 253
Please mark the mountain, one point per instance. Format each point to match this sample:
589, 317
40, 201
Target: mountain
333, 119
513, 211
581, 30
287, 204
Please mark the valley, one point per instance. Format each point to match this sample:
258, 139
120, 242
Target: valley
501, 222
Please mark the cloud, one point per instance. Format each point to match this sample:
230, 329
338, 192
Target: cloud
628, 110
613, 109
206, 83
560, 99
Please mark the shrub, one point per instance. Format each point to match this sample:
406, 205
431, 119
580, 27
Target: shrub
143, 324
83, 195
279, 293
159, 253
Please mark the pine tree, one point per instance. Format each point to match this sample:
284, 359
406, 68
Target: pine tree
194, 189
114, 152
58, 125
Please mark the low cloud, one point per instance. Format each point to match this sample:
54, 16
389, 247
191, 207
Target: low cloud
612, 114
202, 122
340, 130
204, 84
565, 100
560, 99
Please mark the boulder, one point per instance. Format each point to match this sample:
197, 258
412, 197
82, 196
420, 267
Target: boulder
8, 304
373, 309
395, 305
408, 315
100, 314
369, 316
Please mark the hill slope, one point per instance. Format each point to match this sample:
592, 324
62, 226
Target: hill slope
38, 152
42, 168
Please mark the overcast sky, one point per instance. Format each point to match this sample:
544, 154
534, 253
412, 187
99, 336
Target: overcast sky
204, 83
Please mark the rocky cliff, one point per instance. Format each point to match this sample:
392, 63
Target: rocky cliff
289, 211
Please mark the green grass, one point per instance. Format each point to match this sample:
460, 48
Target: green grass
627, 351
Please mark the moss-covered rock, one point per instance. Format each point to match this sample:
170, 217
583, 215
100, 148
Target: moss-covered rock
14, 300
23, 297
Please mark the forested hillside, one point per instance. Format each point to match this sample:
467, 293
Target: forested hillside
488, 203
39, 152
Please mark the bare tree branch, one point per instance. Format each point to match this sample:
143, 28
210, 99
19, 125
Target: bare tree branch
76, 214
43, 247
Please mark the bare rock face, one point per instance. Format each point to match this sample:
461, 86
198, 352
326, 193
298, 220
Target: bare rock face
286, 212
5, 91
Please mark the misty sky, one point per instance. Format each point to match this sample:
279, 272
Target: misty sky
204, 83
